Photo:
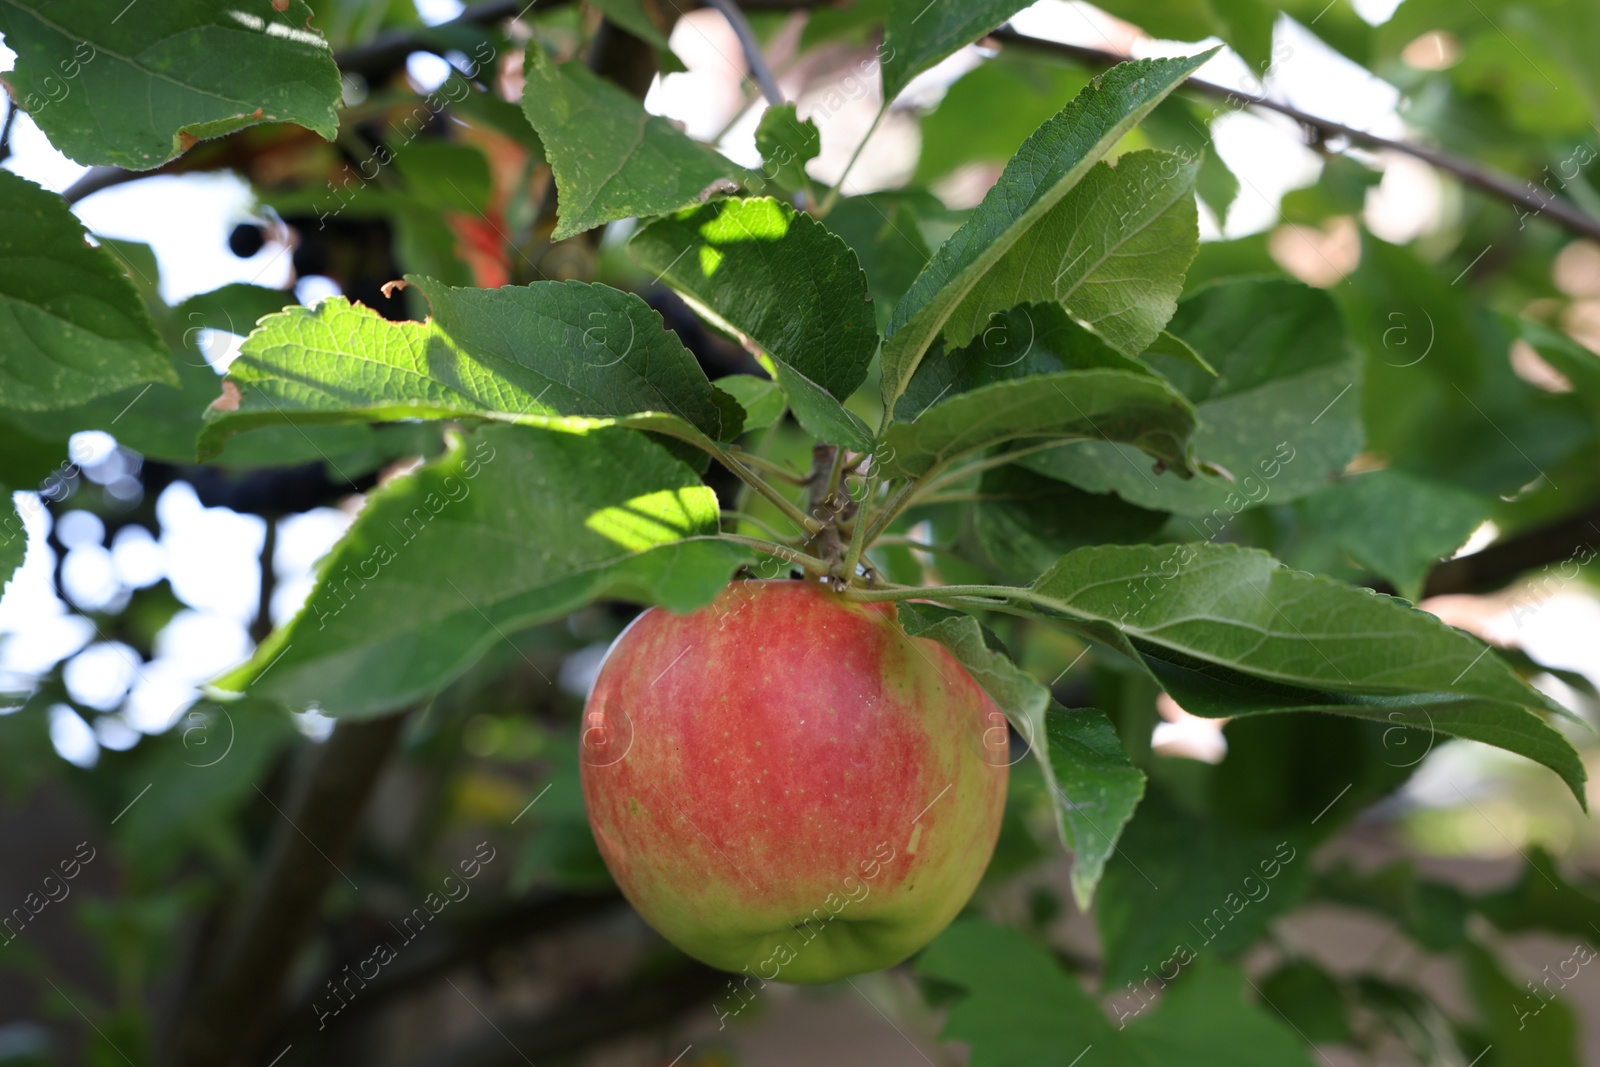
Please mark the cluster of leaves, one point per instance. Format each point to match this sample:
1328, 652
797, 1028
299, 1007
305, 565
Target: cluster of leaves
1105, 430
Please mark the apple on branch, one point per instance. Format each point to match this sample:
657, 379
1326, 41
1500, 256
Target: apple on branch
785, 782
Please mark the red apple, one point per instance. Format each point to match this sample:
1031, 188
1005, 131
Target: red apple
785, 782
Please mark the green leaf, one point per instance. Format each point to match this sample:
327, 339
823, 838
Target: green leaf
1047, 167
1414, 1016
1182, 885
987, 114
1024, 522
234, 308
1440, 398
135, 92
787, 143
526, 354
1167, 344
1395, 524
1433, 914
1285, 771
779, 280
1021, 1010
1093, 788
612, 159
1524, 1027
885, 230
511, 527
761, 399
74, 325
1244, 24
1208, 1020
1574, 362
1282, 417
1112, 252
1183, 126
632, 16
161, 421
13, 537
1310, 1001
1112, 405
1024, 342
919, 33
1230, 631
206, 764
1543, 899
445, 176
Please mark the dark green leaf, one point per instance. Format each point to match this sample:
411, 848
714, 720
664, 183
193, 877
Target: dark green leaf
1433, 914
1440, 397
990, 111
1229, 631
512, 526
612, 159
74, 325
13, 537
1310, 1000
135, 92
1026, 341
1282, 417
1112, 252
787, 144
1020, 1010
1525, 1027
1093, 788
777, 278
1396, 524
919, 33
1209, 1020
633, 16
445, 176
1543, 899
1047, 167
761, 399
203, 768
1185, 886
1321, 771
234, 308
1025, 522
1244, 24
1112, 405
885, 231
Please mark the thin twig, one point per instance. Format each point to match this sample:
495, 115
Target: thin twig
812, 564
5, 131
752, 50
754, 480
767, 466
768, 436
838, 186
745, 516
1562, 211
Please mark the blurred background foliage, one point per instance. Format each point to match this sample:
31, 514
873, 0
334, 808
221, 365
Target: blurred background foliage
1442, 896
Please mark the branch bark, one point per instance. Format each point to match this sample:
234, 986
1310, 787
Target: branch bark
1564, 212
240, 997
1502, 563
584, 1021
470, 941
